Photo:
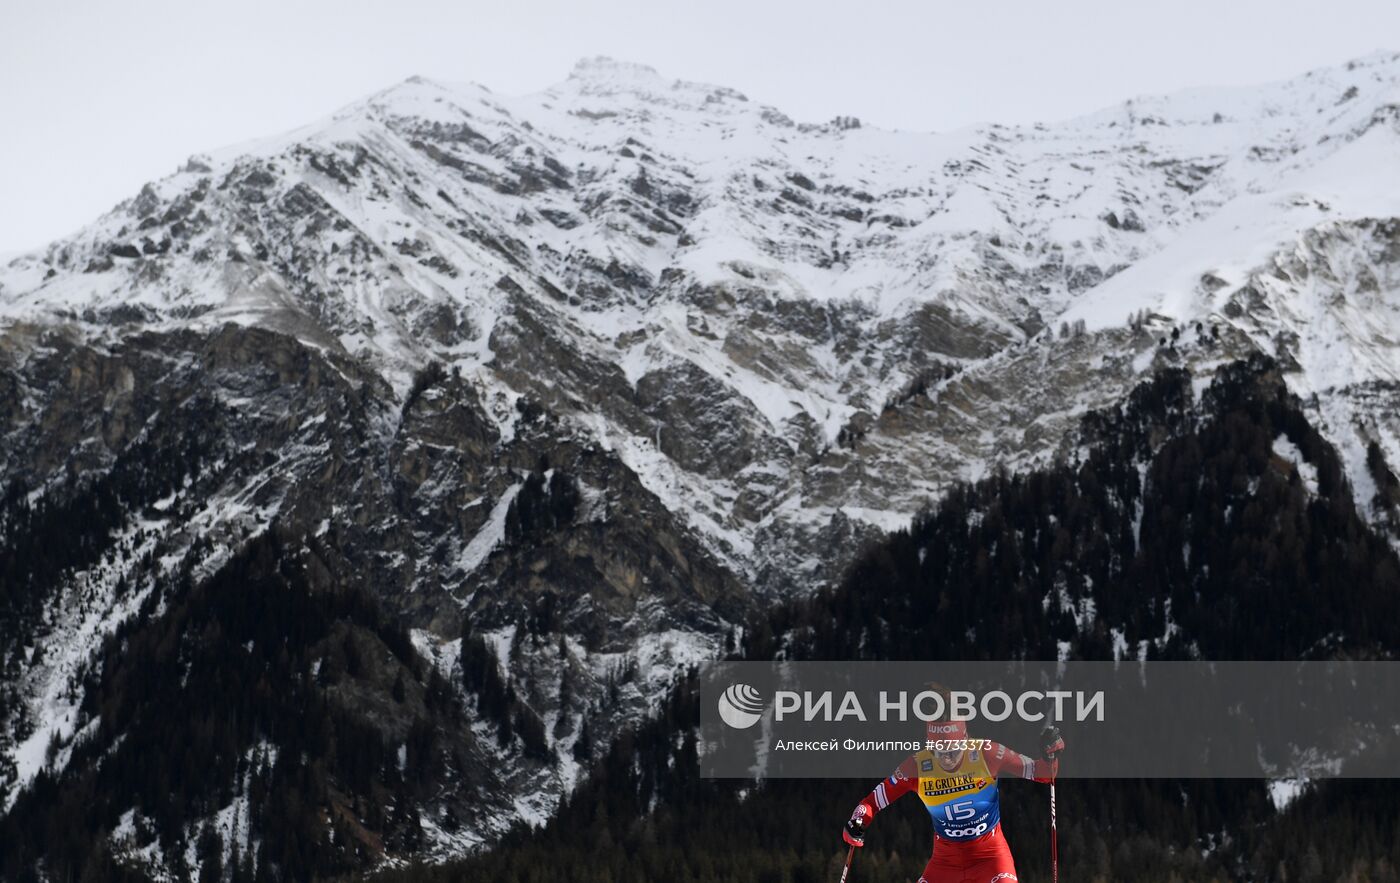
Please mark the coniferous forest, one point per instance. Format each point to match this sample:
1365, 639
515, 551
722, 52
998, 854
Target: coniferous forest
1191, 535
220, 696
1272, 571
378, 490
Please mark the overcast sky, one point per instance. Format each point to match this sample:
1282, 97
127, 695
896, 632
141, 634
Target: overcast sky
98, 97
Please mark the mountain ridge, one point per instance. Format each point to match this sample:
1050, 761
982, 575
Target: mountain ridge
574, 381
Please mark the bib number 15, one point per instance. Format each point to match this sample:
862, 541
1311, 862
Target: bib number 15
960, 811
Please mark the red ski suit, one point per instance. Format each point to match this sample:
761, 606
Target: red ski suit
968, 846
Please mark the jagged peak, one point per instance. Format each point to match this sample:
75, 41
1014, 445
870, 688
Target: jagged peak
602, 76
1374, 76
1378, 58
602, 67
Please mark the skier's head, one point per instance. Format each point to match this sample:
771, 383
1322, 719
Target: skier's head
942, 735
946, 737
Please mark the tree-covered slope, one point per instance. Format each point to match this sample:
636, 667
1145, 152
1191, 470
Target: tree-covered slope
1227, 505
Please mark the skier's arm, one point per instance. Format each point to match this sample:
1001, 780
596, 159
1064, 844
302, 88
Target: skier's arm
1003, 762
901, 782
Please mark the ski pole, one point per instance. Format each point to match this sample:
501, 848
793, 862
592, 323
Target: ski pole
1054, 841
850, 853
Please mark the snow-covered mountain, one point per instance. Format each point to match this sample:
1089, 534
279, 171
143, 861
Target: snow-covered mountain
628, 356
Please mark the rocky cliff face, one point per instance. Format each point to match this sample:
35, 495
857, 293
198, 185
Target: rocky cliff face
586, 374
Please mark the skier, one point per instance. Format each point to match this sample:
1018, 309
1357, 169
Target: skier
959, 788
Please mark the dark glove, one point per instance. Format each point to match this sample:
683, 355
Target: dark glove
1051, 742
854, 832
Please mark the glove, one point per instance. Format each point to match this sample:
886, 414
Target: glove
1051, 742
854, 832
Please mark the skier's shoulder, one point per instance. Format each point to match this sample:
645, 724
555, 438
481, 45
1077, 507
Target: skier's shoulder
908, 768
995, 752
1001, 760
919, 763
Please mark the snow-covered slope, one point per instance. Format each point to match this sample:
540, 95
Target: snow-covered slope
742, 345
678, 235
